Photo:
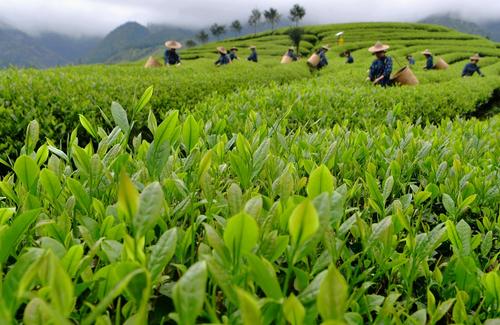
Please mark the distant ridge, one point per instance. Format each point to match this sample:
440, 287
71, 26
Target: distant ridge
486, 29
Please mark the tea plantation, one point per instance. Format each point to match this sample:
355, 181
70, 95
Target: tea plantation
254, 193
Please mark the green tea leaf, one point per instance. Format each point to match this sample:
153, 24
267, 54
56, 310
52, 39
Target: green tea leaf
120, 117
189, 293
149, 211
190, 133
162, 253
249, 308
294, 311
303, 222
333, 295
320, 181
27, 171
241, 234
12, 236
128, 197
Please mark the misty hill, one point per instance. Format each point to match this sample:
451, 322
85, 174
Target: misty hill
20, 49
70, 48
132, 40
487, 29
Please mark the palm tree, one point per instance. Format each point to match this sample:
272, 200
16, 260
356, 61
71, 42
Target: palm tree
254, 19
272, 17
236, 27
297, 13
218, 30
202, 36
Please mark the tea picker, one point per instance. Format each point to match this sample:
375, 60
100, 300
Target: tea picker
318, 60
381, 68
429, 60
171, 55
289, 56
253, 55
472, 67
224, 58
232, 54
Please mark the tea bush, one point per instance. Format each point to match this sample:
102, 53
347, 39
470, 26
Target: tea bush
391, 224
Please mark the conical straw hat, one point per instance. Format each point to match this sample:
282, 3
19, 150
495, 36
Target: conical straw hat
378, 47
326, 47
427, 52
475, 57
173, 45
222, 50
234, 49
253, 47
152, 63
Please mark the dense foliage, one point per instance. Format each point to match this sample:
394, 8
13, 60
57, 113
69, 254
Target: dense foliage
307, 199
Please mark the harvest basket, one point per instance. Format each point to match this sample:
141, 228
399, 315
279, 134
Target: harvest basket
405, 77
152, 63
286, 59
314, 60
441, 64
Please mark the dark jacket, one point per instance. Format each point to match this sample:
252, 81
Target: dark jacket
381, 68
350, 60
171, 57
233, 56
292, 55
470, 69
253, 57
429, 65
323, 60
223, 59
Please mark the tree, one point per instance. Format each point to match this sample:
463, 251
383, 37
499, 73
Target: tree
236, 27
272, 16
190, 43
297, 13
295, 35
218, 30
202, 36
254, 19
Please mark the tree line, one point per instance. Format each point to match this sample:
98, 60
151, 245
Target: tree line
270, 16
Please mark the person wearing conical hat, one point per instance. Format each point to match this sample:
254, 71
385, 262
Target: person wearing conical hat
472, 67
323, 61
171, 55
381, 68
410, 59
291, 54
349, 58
429, 60
253, 57
232, 54
223, 57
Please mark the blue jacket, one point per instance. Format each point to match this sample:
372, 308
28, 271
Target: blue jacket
470, 69
381, 68
233, 56
411, 61
429, 65
171, 57
253, 57
223, 60
350, 59
323, 60
292, 55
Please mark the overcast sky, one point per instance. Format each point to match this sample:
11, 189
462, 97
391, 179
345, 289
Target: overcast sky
97, 17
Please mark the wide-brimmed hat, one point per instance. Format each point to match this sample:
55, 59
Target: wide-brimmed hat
378, 47
475, 57
252, 47
222, 50
173, 45
326, 47
234, 49
339, 34
427, 52
291, 48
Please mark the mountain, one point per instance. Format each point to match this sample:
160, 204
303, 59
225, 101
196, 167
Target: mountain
453, 21
493, 28
132, 41
70, 48
20, 49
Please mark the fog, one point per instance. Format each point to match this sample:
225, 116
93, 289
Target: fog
97, 17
